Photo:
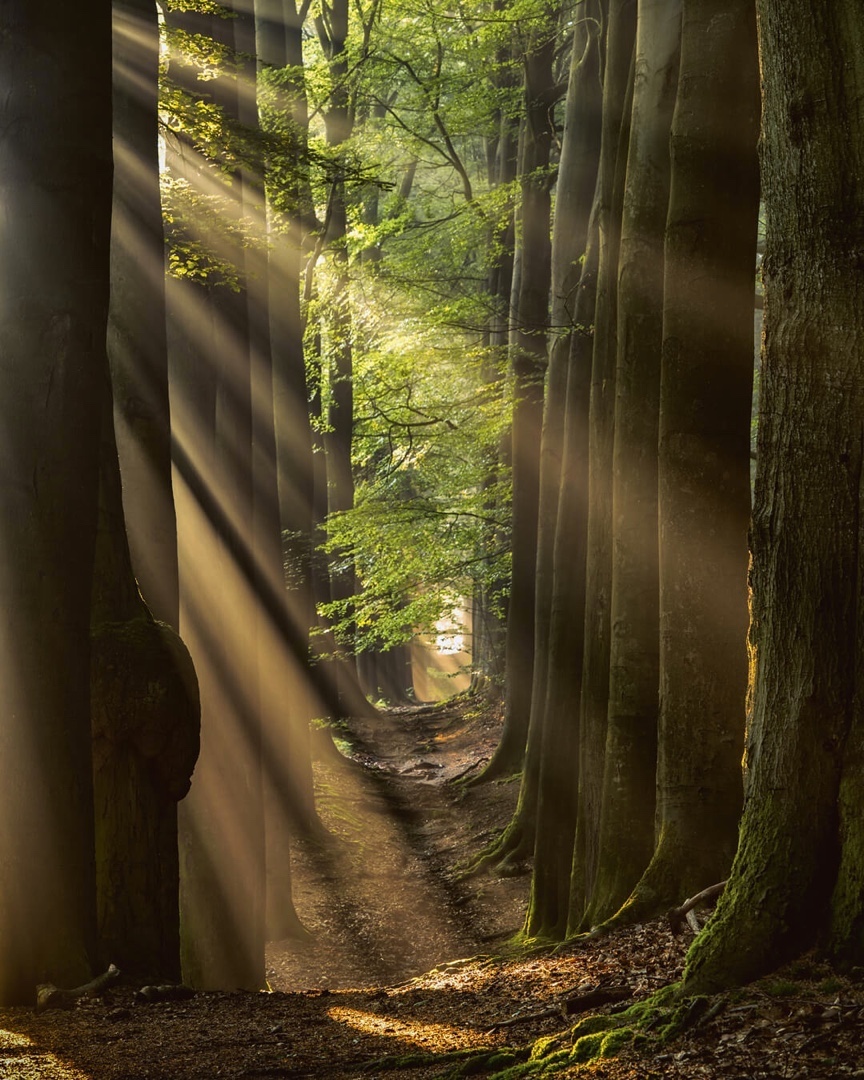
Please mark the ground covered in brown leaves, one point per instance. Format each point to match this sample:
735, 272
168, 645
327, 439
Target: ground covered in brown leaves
404, 974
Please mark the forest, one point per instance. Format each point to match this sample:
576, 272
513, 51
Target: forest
360, 355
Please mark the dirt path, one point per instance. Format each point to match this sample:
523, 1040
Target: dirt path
381, 897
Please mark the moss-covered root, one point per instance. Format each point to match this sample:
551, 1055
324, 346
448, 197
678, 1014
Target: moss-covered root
650, 1023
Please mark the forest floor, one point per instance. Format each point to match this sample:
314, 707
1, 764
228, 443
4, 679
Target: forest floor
406, 965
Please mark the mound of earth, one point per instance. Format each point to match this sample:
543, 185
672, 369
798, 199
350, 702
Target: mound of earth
404, 970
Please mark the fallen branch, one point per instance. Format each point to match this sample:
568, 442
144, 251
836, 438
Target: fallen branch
677, 915
49, 996
570, 1006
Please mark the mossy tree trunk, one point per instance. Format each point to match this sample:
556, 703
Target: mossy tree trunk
797, 874
55, 150
627, 815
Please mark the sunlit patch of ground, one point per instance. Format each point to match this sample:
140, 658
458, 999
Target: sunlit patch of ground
22, 1060
417, 1033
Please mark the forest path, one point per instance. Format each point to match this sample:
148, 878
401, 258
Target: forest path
382, 896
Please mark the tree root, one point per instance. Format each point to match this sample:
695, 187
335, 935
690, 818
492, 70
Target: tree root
508, 854
677, 915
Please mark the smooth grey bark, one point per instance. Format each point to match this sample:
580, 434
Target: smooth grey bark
222, 827
530, 286
145, 716
55, 179
282, 393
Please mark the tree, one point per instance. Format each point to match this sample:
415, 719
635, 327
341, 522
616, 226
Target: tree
797, 873
137, 344
528, 359
222, 825
617, 107
55, 180
704, 468
562, 527
574, 251
626, 835
145, 722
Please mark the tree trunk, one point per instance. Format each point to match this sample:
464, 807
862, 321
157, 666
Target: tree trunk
627, 812
222, 836
560, 587
145, 724
617, 88
704, 464
137, 345
530, 287
55, 149
284, 420
797, 874
339, 124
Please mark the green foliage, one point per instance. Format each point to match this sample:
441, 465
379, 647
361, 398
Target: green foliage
199, 227
428, 523
202, 7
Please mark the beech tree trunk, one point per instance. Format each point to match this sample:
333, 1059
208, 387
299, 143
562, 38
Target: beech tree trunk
797, 874
627, 813
55, 180
282, 398
562, 526
222, 827
137, 345
617, 100
704, 466
145, 726
528, 344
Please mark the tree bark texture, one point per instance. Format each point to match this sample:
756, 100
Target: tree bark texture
222, 827
145, 725
559, 621
528, 365
617, 101
797, 873
704, 467
55, 192
627, 812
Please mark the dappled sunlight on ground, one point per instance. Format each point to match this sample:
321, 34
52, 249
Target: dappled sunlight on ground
22, 1059
416, 1033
